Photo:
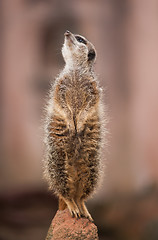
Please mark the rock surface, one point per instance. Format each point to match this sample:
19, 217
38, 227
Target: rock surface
64, 226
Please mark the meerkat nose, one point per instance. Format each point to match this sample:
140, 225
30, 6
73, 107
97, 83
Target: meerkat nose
67, 33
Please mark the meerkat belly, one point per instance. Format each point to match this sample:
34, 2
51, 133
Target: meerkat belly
75, 156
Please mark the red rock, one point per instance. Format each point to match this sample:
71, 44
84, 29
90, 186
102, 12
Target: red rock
64, 226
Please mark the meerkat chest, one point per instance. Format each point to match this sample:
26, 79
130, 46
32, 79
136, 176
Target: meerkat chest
77, 94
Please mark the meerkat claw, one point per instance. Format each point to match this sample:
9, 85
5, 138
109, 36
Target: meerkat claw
78, 215
90, 219
75, 214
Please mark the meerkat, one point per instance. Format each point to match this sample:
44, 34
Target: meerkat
74, 128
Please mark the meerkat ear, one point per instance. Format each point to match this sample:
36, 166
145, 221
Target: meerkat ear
91, 55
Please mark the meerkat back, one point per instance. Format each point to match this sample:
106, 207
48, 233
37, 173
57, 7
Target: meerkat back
73, 128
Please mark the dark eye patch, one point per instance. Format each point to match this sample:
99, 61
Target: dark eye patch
91, 55
81, 40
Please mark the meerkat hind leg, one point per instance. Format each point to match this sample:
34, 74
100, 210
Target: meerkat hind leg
73, 208
83, 210
78, 202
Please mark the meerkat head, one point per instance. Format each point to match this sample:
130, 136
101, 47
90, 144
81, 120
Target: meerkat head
78, 51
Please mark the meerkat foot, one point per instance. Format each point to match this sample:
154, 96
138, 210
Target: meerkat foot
85, 212
78, 202
73, 208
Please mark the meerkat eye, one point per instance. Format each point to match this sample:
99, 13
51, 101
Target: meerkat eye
80, 39
91, 55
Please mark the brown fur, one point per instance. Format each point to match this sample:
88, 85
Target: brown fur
73, 131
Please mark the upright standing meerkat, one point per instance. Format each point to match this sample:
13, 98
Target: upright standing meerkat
74, 128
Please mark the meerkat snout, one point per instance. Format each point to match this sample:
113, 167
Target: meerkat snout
67, 32
77, 50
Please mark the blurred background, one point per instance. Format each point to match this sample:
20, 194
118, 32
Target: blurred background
125, 34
